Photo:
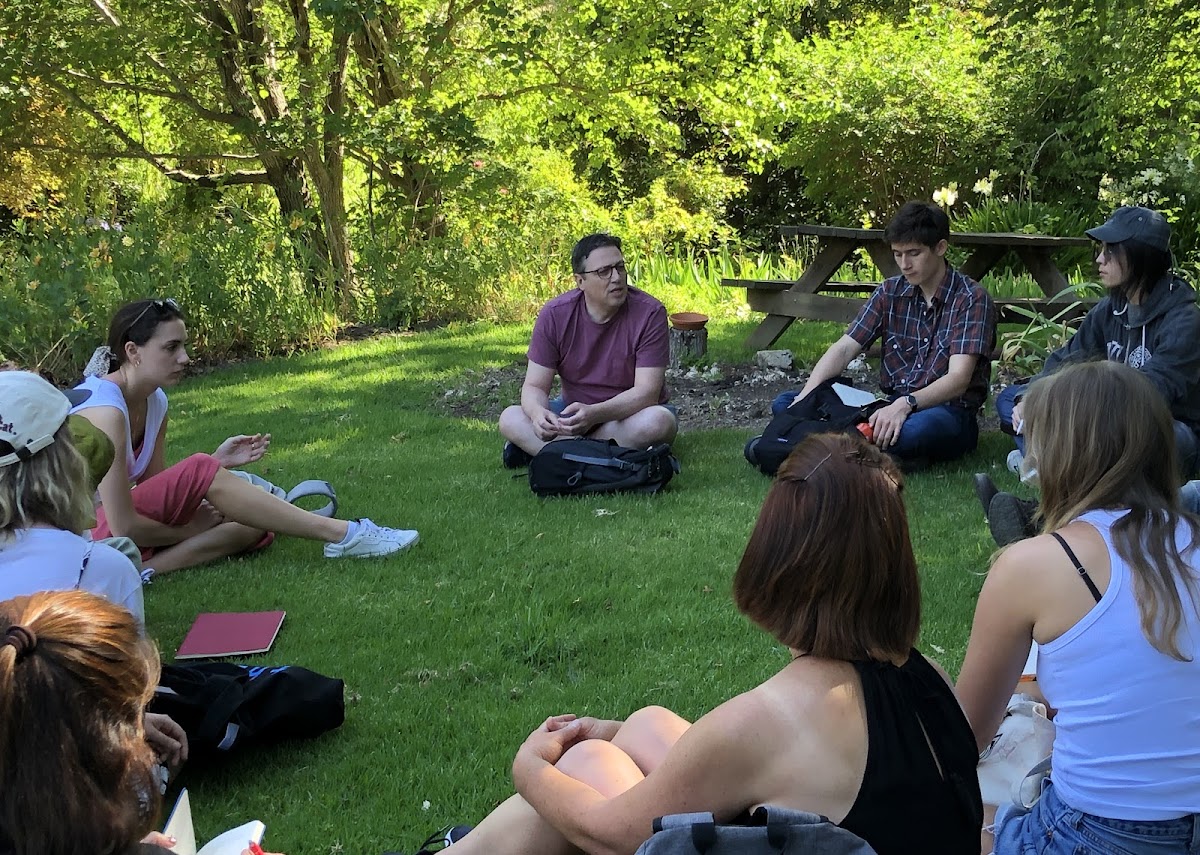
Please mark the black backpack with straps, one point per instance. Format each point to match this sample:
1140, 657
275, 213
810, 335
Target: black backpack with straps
567, 467
821, 411
224, 707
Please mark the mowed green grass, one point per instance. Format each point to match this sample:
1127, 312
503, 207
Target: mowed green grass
511, 608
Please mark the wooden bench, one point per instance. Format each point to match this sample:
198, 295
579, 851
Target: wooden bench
812, 296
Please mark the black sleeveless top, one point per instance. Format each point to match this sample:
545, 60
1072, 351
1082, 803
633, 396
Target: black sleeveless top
905, 804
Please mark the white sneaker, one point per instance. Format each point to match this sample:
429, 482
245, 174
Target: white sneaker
372, 540
1015, 459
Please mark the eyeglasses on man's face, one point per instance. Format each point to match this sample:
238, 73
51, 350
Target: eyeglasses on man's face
606, 271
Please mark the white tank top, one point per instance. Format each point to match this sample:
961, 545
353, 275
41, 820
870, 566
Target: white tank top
1127, 733
106, 393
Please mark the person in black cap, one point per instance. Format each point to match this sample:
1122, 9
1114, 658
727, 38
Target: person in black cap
1148, 320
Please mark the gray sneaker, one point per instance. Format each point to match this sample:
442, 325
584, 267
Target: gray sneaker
1011, 518
372, 540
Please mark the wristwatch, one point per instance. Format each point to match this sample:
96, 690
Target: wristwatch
912, 402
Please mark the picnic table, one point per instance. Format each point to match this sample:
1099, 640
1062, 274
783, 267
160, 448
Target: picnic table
815, 297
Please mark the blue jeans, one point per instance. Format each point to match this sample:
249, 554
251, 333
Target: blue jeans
1052, 827
1005, 401
943, 432
557, 405
1185, 437
1189, 495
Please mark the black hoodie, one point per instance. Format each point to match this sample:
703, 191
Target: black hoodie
1165, 345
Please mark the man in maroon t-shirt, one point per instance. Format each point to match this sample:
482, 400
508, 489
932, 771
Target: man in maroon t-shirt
608, 344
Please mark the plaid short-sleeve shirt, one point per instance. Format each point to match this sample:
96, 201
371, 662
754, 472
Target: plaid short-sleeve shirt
918, 338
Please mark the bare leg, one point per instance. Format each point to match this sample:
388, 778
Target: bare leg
242, 502
516, 427
651, 426
228, 538
648, 734
611, 768
515, 828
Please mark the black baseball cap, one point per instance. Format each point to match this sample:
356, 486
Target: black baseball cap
1132, 223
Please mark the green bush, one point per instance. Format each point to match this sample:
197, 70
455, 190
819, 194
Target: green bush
880, 111
507, 237
242, 285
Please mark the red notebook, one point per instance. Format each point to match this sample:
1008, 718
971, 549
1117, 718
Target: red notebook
230, 634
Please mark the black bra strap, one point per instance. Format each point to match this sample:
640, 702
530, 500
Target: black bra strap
1083, 574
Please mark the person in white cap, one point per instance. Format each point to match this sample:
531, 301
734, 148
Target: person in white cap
196, 510
46, 504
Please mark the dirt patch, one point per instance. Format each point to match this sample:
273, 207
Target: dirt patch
717, 396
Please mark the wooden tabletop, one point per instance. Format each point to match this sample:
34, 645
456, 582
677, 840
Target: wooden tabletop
962, 238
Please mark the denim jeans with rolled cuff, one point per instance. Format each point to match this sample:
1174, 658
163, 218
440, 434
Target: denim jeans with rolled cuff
1052, 827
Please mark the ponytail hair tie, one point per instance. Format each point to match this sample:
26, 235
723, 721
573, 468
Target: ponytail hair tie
100, 363
22, 639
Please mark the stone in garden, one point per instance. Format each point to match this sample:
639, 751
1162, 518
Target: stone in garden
781, 359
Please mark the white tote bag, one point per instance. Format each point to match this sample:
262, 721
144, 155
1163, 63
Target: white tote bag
1013, 767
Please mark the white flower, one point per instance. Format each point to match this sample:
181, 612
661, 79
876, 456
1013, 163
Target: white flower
983, 187
947, 196
425, 805
1151, 177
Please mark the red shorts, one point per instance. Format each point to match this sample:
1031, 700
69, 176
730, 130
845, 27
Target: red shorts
172, 497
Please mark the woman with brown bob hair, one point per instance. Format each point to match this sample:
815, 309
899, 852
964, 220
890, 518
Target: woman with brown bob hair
857, 725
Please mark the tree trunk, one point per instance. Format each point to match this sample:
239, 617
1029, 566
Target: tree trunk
327, 167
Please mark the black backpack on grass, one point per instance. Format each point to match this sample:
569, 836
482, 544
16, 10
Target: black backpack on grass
821, 412
569, 467
224, 707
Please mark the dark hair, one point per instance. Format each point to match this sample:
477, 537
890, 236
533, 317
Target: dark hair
1144, 265
589, 244
136, 322
918, 222
829, 568
1102, 437
75, 768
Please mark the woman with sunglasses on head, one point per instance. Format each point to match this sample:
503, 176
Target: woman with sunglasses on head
196, 510
1148, 320
1111, 593
857, 725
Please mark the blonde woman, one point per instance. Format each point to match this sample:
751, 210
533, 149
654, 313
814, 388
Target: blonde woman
1111, 593
46, 502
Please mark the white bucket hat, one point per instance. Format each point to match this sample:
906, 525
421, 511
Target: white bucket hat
31, 412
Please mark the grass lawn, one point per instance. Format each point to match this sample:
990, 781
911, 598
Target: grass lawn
511, 608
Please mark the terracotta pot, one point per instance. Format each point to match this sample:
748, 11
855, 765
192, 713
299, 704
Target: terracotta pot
688, 320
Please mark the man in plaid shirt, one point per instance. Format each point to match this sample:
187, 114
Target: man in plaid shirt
937, 330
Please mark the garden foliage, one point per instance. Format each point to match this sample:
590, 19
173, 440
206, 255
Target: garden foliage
286, 168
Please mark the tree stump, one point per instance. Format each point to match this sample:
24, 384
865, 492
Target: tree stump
687, 344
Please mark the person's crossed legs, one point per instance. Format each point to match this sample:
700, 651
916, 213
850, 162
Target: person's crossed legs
650, 426
942, 432
611, 768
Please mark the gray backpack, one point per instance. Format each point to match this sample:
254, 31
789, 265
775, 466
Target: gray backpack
771, 831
